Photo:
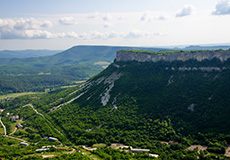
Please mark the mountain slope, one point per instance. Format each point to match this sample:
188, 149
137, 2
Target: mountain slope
196, 97
135, 103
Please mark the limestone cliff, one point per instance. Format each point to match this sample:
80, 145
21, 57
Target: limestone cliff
180, 55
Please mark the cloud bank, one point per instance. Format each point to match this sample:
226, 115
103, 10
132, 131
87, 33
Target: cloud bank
31, 28
23, 24
27, 34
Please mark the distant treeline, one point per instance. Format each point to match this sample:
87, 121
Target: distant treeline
171, 52
34, 83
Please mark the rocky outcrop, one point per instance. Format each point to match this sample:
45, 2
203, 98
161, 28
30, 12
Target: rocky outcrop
181, 56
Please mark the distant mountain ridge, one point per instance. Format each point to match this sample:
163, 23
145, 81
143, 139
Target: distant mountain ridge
83, 52
214, 47
77, 55
27, 53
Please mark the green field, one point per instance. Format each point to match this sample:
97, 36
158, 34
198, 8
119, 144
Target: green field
13, 95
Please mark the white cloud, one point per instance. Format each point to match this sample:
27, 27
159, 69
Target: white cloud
30, 28
65, 35
94, 15
222, 8
107, 17
111, 35
6, 24
98, 35
30, 23
147, 16
144, 17
71, 35
140, 34
150, 16
36, 34
185, 11
106, 25
42, 34
47, 24
67, 21
24, 28
134, 34
162, 17
23, 24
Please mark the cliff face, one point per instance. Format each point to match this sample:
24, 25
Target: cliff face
181, 56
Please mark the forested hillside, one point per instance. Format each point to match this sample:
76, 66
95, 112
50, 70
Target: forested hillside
190, 97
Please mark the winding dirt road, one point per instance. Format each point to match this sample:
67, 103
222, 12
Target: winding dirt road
3, 126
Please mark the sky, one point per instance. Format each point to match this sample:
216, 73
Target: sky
61, 24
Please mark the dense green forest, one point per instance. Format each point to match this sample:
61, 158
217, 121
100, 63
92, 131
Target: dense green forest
15, 79
189, 109
34, 83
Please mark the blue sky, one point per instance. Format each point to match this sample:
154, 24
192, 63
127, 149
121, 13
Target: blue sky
60, 24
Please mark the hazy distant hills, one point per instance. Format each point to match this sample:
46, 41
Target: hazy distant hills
74, 64
77, 55
197, 47
27, 53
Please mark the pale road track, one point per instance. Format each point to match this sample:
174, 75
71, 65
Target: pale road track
3, 126
16, 138
13, 131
